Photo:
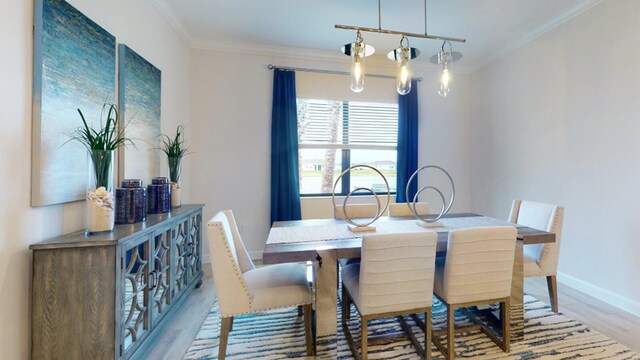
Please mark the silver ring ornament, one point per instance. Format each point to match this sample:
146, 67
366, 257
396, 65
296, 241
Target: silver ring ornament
445, 207
379, 212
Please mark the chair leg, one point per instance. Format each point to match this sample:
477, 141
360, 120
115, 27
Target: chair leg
451, 342
346, 308
364, 348
553, 293
505, 316
225, 328
307, 330
427, 334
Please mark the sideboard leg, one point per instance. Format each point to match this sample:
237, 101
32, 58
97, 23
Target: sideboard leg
199, 284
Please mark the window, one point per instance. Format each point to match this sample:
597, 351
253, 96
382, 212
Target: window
333, 135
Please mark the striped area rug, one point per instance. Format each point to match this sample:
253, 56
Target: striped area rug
279, 334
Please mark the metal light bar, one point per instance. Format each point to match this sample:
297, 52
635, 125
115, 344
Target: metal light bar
334, 72
380, 30
393, 32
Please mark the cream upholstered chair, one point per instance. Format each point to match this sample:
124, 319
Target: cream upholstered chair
243, 289
402, 209
541, 259
478, 270
394, 278
356, 211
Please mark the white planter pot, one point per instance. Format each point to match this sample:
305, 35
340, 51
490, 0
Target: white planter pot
176, 199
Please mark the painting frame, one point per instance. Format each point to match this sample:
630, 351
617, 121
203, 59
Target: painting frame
74, 67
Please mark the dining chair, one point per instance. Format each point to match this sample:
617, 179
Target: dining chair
541, 259
355, 211
244, 289
394, 278
477, 270
402, 209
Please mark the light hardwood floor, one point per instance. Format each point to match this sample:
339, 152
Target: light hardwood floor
621, 326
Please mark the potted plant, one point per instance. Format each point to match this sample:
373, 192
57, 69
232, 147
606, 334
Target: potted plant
175, 149
101, 145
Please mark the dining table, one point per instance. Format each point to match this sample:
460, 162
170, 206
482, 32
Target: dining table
324, 241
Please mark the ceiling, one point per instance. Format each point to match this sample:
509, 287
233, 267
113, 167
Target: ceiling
492, 27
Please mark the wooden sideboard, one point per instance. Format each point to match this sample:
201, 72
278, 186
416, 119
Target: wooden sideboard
104, 296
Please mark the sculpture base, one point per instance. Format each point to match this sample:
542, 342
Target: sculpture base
359, 229
429, 225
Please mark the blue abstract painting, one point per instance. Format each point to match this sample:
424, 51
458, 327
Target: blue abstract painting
139, 100
74, 68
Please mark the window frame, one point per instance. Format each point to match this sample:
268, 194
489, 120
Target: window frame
346, 157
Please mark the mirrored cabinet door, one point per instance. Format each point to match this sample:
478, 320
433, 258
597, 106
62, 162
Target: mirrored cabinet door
160, 279
180, 234
194, 248
135, 314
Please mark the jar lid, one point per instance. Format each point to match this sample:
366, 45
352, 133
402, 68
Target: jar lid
160, 180
131, 183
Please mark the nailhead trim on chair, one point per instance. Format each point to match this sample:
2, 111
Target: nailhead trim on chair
235, 267
241, 277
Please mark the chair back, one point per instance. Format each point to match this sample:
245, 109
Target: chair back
356, 211
402, 209
396, 272
479, 264
541, 216
229, 260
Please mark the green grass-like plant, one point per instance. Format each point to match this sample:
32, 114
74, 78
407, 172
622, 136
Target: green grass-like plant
175, 148
100, 143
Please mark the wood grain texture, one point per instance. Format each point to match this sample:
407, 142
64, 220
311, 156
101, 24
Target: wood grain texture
79, 294
73, 303
120, 234
275, 253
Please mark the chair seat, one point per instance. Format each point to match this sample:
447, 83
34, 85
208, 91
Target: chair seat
351, 278
345, 262
277, 286
531, 267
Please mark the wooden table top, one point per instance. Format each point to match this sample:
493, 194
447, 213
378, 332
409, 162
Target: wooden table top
283, 246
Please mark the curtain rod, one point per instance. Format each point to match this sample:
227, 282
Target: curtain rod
321, 71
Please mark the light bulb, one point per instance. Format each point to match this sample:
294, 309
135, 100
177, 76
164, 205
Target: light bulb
404, 76
445, 79
357, 74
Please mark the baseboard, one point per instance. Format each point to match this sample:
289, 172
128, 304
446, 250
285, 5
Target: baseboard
607, 296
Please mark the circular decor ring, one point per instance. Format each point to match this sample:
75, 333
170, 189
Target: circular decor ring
444, 210
379, 213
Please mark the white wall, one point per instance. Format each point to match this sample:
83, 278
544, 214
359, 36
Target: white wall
135, 23
231, 96
558, 121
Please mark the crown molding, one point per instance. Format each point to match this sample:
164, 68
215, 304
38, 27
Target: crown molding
169, 14
269, 50
535, 34
334, 56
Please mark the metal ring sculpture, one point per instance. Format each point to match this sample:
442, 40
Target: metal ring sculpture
445, 208
379, 212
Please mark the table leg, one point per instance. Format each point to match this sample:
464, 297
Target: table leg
517, 296
326, 308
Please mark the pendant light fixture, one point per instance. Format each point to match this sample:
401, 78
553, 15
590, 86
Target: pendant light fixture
357, 51
402, 55
444, 58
